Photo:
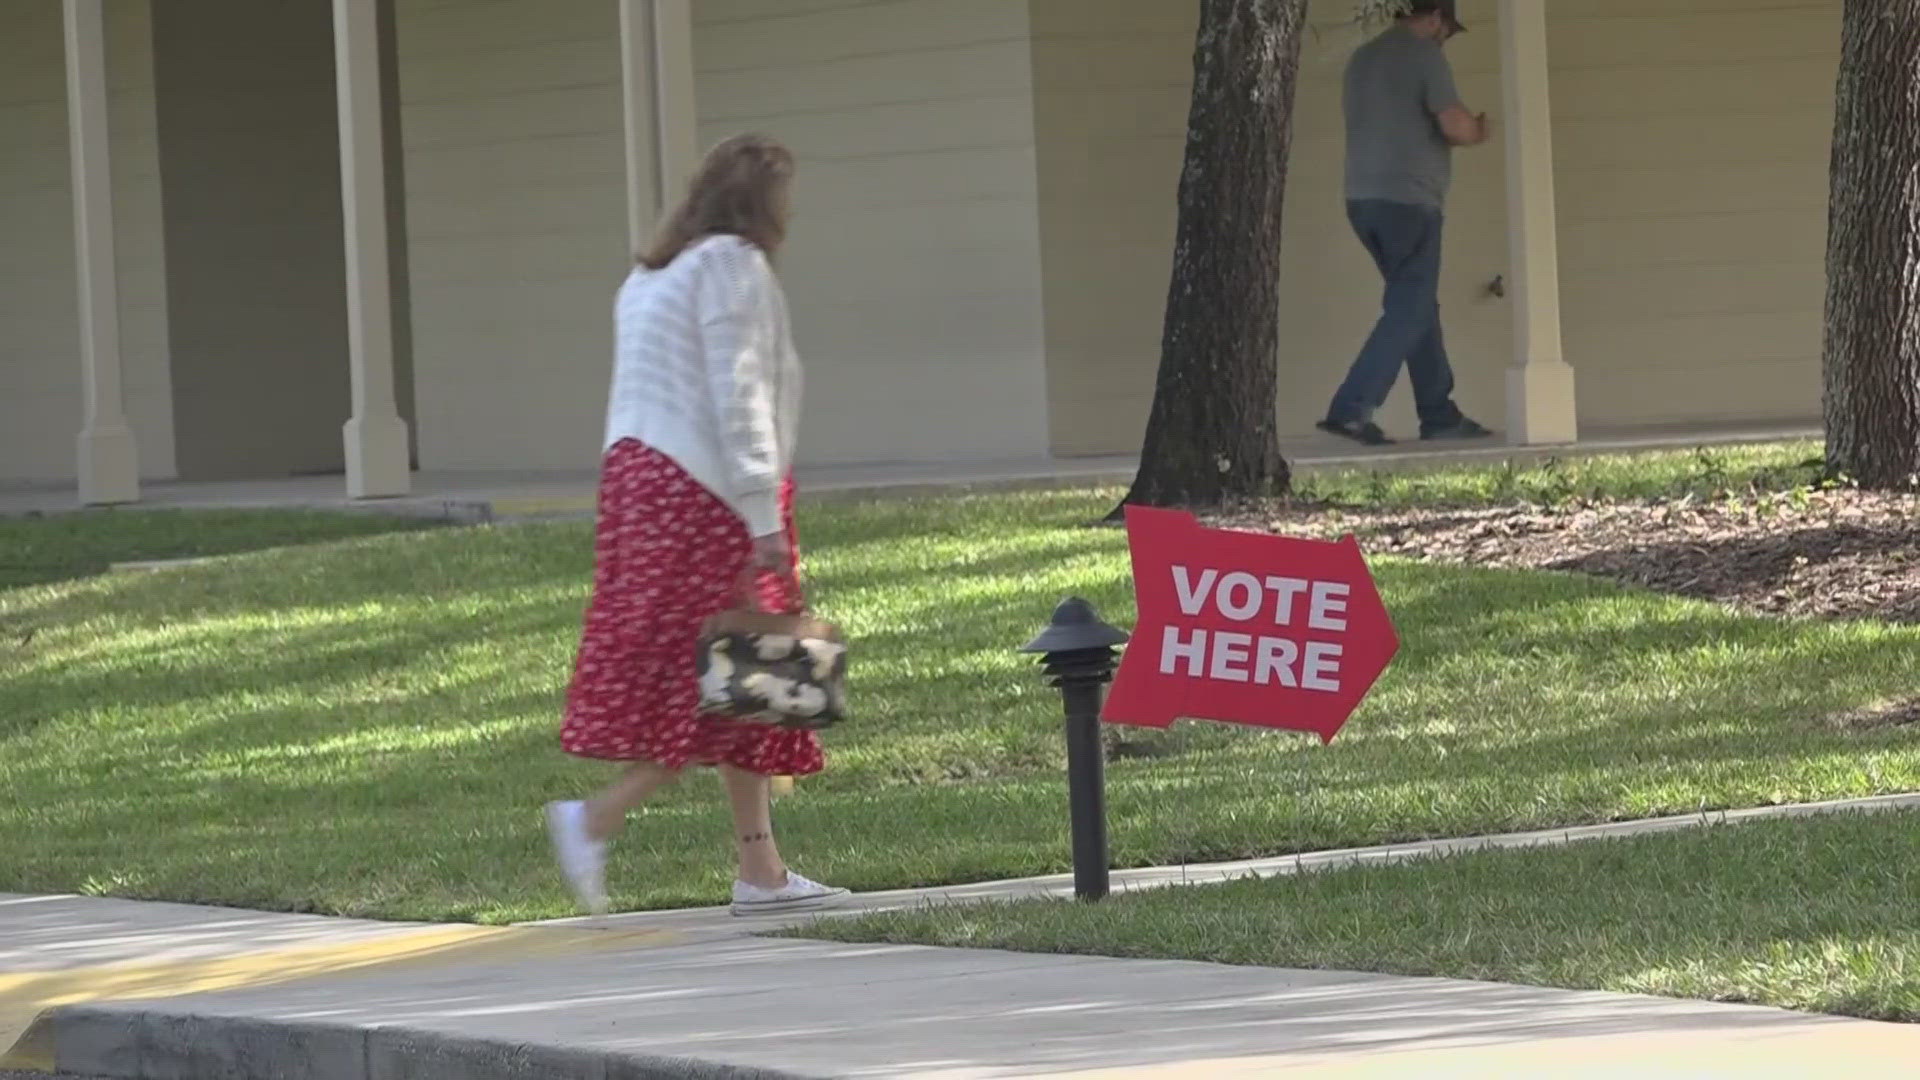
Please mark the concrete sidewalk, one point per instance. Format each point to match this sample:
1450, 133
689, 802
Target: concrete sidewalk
808, 1009
744, 1006
157, 991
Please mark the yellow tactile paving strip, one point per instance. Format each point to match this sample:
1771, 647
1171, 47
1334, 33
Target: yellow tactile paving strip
24, 996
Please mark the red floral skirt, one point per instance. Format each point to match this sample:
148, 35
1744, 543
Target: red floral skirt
668, 555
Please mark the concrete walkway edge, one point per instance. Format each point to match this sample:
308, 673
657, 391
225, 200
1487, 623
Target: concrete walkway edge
149, 1043
720, 922
480, 497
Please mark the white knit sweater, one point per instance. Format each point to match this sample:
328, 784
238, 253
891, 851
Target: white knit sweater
704, 371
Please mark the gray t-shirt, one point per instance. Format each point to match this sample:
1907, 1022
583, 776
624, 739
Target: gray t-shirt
1397, 85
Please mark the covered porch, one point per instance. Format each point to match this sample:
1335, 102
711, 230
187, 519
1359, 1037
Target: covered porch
378, 450
983, 246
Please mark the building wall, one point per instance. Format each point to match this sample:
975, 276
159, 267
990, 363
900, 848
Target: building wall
1691, 147
1115, 80
256, 273
40, 386
914, 263
986, 211
516, 208
1112, 82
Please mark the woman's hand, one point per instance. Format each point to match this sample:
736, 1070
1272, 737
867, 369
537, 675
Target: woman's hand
772, 554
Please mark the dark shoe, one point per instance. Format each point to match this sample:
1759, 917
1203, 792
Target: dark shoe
1462, 428
1364, 432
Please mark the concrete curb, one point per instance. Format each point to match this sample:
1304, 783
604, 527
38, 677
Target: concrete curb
146, 1042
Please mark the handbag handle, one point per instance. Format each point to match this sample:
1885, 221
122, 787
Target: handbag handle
748, 587
799, 625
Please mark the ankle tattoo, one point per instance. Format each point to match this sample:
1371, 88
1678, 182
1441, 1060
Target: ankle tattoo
756, 838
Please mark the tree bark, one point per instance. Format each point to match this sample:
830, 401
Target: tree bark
1211, 433
1872, 356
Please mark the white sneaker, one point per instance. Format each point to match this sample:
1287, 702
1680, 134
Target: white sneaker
798, 894
582, 859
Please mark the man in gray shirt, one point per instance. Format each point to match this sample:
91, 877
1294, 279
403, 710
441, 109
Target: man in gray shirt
1404, 118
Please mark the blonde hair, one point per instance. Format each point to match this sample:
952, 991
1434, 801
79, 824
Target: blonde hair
740, 190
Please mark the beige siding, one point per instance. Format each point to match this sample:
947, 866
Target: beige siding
1691, 148
912, 268
1112, 111
914, 262
40, 392
516, 206
985, 218
1112, 82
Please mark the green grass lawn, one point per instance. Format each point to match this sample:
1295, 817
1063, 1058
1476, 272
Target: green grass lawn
1814, 913
367, 725
1707, 472
61, 547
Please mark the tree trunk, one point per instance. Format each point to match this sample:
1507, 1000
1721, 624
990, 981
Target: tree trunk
1211, 434
1872, 361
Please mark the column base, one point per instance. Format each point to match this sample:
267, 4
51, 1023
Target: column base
377, 457
1540, 404
109, 466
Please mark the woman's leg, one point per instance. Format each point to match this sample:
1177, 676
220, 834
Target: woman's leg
760, 863
765, 887
607, 812
580, 830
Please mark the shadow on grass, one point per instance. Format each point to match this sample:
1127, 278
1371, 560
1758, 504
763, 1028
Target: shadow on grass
886, 522
378, 738
67, 547
217, 667
440, 818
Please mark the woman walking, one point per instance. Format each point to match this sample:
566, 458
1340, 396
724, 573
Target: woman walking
696, 516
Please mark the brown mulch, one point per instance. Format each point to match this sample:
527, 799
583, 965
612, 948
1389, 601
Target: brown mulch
1894, 714
1824, 555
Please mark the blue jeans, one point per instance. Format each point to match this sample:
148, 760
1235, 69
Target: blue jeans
1404, 240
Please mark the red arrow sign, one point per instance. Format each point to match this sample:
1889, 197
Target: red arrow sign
1248, 628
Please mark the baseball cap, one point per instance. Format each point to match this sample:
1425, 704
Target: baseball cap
1447, 9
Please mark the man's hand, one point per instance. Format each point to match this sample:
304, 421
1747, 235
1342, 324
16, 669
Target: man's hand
1463, 128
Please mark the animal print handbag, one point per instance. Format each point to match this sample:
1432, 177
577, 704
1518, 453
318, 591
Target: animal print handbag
789, 670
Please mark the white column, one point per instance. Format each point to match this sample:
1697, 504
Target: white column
109, 460
1540, 383
376, 437
656, 53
